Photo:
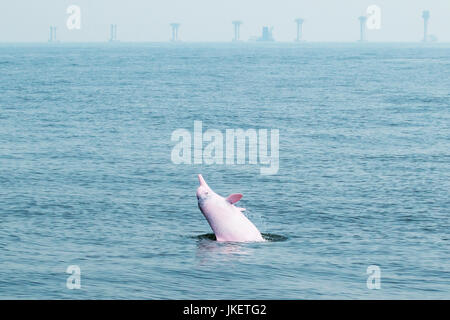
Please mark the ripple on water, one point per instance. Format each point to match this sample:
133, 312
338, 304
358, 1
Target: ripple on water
267, 236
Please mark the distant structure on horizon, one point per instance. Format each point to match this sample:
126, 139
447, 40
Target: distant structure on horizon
362, 22
427, 37
52, 37
426, 18
267, 31
113, 33
299, 22
267, 34
175, 27
237, 31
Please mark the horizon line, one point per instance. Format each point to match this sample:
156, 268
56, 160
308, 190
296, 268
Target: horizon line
237, 43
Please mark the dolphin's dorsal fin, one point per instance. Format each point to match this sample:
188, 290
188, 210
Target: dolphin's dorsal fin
233, 198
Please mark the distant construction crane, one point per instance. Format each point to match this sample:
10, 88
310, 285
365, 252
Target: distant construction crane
426, 19
299, 22
362, 21
52, 37
237, 31
113, 33
175, 27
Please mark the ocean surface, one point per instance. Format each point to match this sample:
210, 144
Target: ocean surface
87, 178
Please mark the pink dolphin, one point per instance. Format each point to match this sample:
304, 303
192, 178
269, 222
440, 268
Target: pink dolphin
226, 220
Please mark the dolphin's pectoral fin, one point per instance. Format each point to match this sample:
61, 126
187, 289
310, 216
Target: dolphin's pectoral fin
233, 198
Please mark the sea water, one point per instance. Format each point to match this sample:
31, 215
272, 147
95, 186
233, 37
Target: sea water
87, 179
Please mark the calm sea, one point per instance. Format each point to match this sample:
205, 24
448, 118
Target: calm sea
86, 176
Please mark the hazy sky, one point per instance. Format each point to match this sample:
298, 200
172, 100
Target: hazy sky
210, 20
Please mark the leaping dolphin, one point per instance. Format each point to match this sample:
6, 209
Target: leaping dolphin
226, 220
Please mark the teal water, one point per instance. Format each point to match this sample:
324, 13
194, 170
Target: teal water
86, 176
